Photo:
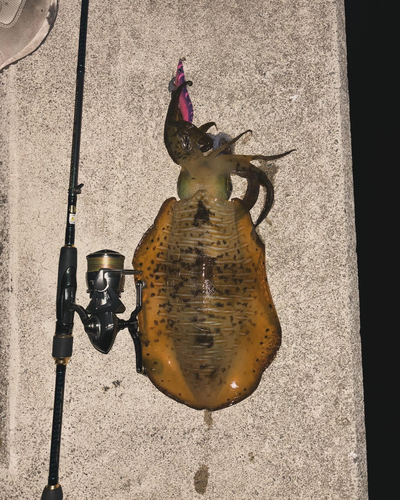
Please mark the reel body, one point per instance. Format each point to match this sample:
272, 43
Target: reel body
105, 280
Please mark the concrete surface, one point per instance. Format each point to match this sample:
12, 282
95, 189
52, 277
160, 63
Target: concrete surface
277, 67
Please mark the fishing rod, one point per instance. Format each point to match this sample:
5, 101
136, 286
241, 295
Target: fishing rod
105, 279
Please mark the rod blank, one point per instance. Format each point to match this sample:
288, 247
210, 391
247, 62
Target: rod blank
66, 287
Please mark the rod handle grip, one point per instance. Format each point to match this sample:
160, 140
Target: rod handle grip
52, 493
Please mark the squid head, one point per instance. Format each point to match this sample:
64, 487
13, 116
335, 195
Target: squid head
205, 166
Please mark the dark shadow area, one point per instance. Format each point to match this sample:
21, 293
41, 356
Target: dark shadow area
372, 110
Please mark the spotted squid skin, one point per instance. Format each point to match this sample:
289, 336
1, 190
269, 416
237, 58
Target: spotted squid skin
208, 324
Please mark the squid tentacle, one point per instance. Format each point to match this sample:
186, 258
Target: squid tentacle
207, 143
240, 165
256, 177
206, 126
263, 157
263, 180
253, 188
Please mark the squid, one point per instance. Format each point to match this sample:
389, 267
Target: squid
208, 324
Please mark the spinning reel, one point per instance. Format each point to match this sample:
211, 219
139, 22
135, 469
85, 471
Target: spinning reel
105, 279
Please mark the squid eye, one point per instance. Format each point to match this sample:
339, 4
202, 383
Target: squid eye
185, 141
